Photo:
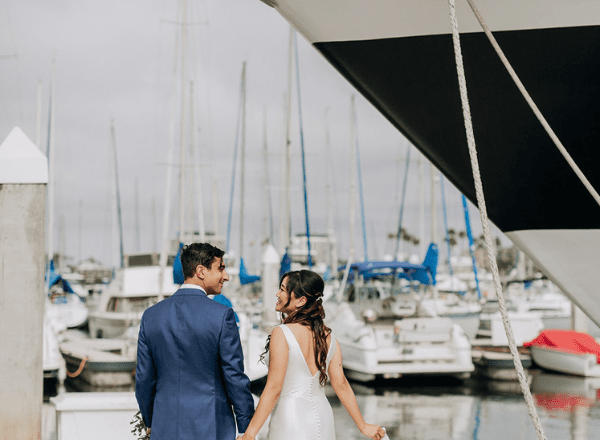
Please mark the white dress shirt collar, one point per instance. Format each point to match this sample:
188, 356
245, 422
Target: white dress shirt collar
192, 286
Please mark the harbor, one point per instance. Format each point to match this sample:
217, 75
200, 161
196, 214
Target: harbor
431, 161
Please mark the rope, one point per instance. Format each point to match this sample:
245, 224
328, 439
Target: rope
80, 369
485, 223
534, 107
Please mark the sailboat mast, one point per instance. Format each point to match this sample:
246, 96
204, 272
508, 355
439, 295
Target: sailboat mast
243, 160
164, 253
196, 178
269, 203
421, 208
286, 214
51, 160
215, 206
329, 213
402, 201
360, 187
138, 246
332, 257
352, 178
303, 153
116, 193
182, 125
433, 207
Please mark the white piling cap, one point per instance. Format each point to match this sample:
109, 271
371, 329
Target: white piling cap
270, 255
21, 161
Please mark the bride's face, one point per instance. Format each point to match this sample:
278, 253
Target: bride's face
286, 302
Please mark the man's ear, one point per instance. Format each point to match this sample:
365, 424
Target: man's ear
200, 271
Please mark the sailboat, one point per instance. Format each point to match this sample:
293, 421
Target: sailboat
64, 304
402, 60
379, 316
136, 284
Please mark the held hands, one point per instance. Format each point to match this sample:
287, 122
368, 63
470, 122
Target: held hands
374, 432
246, 436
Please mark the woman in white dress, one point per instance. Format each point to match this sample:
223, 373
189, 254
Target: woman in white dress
303, 354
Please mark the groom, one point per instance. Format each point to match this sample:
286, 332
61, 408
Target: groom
189, 379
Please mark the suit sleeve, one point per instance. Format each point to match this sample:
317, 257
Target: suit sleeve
145, 378
232, 363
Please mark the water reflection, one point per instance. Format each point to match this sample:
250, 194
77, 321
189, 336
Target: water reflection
569, 400
476, 409
428, 409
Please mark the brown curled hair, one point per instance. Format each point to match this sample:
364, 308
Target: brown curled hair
308, 284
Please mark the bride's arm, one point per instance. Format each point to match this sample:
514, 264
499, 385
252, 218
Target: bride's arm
278, 359
342, 388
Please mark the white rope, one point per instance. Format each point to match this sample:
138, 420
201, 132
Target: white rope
533, 106
485, 223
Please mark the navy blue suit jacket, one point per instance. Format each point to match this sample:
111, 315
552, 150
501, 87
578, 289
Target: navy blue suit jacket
189, 378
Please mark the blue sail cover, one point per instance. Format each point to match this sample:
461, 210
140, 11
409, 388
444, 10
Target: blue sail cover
178, 277
424, 273
52, 277
246, 278
286, 264
427, 276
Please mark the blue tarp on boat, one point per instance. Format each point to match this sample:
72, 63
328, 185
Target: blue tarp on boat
178, 277
246, 278
424, 273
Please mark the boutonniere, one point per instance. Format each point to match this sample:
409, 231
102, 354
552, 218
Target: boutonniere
140, 430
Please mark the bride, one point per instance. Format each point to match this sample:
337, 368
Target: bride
303, 355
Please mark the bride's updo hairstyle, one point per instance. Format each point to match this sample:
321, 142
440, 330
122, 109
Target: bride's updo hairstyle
308, 284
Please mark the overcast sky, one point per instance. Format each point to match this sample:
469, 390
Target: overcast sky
119, 60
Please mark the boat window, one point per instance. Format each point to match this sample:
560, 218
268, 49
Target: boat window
349, 293
369, 292
131, 304
141, 260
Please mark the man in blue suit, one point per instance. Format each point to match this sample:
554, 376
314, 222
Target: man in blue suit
189, 379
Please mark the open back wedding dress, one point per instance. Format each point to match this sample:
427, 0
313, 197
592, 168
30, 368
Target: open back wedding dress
302, 411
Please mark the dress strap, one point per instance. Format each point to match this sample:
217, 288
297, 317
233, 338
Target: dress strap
289, 336
332, 348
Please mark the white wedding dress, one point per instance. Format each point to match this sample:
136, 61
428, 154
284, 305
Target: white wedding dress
302, 411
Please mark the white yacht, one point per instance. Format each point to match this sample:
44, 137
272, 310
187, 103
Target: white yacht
383, 332
130, 293
462, 312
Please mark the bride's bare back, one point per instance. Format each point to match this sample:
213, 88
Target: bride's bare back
306, 341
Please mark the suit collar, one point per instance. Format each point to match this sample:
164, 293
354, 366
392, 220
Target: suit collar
191, 289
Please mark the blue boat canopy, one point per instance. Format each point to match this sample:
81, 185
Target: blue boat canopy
424, 273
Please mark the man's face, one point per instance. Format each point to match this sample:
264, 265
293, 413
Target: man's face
215, 277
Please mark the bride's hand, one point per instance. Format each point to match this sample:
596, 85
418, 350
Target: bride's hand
246, 436
375, 432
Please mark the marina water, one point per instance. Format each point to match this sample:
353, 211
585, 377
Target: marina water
439, 408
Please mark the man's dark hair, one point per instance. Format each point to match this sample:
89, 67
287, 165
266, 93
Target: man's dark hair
198, 253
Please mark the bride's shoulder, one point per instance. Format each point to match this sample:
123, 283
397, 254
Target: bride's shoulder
278, 338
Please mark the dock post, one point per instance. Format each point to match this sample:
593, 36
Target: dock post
270, 284
23, 180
